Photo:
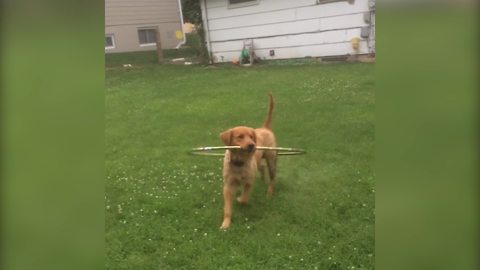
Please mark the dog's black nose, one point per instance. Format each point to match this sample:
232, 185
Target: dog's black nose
251, 147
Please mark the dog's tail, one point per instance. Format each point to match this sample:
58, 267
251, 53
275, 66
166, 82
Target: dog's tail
268, 119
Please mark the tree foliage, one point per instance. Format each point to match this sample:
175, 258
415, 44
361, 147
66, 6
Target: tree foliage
192, 12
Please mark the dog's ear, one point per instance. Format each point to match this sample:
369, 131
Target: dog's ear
254, 135
226, 137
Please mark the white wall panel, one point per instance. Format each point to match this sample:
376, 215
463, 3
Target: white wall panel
216, 3
345, 21
262, 6
294, 29
297, 27
290, 41
299, 52
266, 30
309, 39
252, 20
331, 9
304, 13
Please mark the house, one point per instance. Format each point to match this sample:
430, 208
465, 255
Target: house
282, 29
131, 25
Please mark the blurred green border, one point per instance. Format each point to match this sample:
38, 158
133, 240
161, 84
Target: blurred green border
52, 191
427, 136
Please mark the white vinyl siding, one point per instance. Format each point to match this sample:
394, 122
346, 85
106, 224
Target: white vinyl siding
123, 19
293, 29
128, 12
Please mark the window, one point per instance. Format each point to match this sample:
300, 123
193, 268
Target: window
241, 3
146, 36
231, 2
109, 42
319, 2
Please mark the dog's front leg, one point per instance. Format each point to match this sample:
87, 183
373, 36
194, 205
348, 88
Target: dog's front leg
228, 194
243, 199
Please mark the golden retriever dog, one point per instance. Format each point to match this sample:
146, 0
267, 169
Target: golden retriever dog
240, 165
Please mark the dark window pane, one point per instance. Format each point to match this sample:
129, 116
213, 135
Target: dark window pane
146, 36
108, 42
142, 36
151, 36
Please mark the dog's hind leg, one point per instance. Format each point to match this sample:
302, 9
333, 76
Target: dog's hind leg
260, 166
261, 169
272, 167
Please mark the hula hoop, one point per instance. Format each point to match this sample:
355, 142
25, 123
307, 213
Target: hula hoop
207, 151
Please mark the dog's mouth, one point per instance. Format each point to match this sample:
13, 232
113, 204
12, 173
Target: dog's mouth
237, 163
245, 149
240, 156
249, 148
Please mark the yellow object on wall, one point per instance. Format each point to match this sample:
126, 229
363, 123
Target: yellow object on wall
355, 43
179, 35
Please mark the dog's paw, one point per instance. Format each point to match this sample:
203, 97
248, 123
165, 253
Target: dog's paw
269, 192
240, 200
225, 224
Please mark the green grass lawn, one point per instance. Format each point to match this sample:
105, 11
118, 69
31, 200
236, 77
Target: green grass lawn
164, 207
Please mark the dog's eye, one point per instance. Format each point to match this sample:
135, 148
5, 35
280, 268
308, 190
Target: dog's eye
241, 136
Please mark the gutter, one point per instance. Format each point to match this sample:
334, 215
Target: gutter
181, 21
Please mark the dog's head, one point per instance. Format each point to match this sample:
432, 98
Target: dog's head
240, 136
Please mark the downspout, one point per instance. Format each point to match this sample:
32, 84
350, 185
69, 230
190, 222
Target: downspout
181, 20
371, 24
206, 28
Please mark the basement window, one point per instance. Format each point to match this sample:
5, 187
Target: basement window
109, 42
241, 3
146, 36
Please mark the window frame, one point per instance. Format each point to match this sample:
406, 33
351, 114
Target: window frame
112, 37
245, 4
154, 28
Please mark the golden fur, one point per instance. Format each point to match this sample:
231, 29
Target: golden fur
240, 165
